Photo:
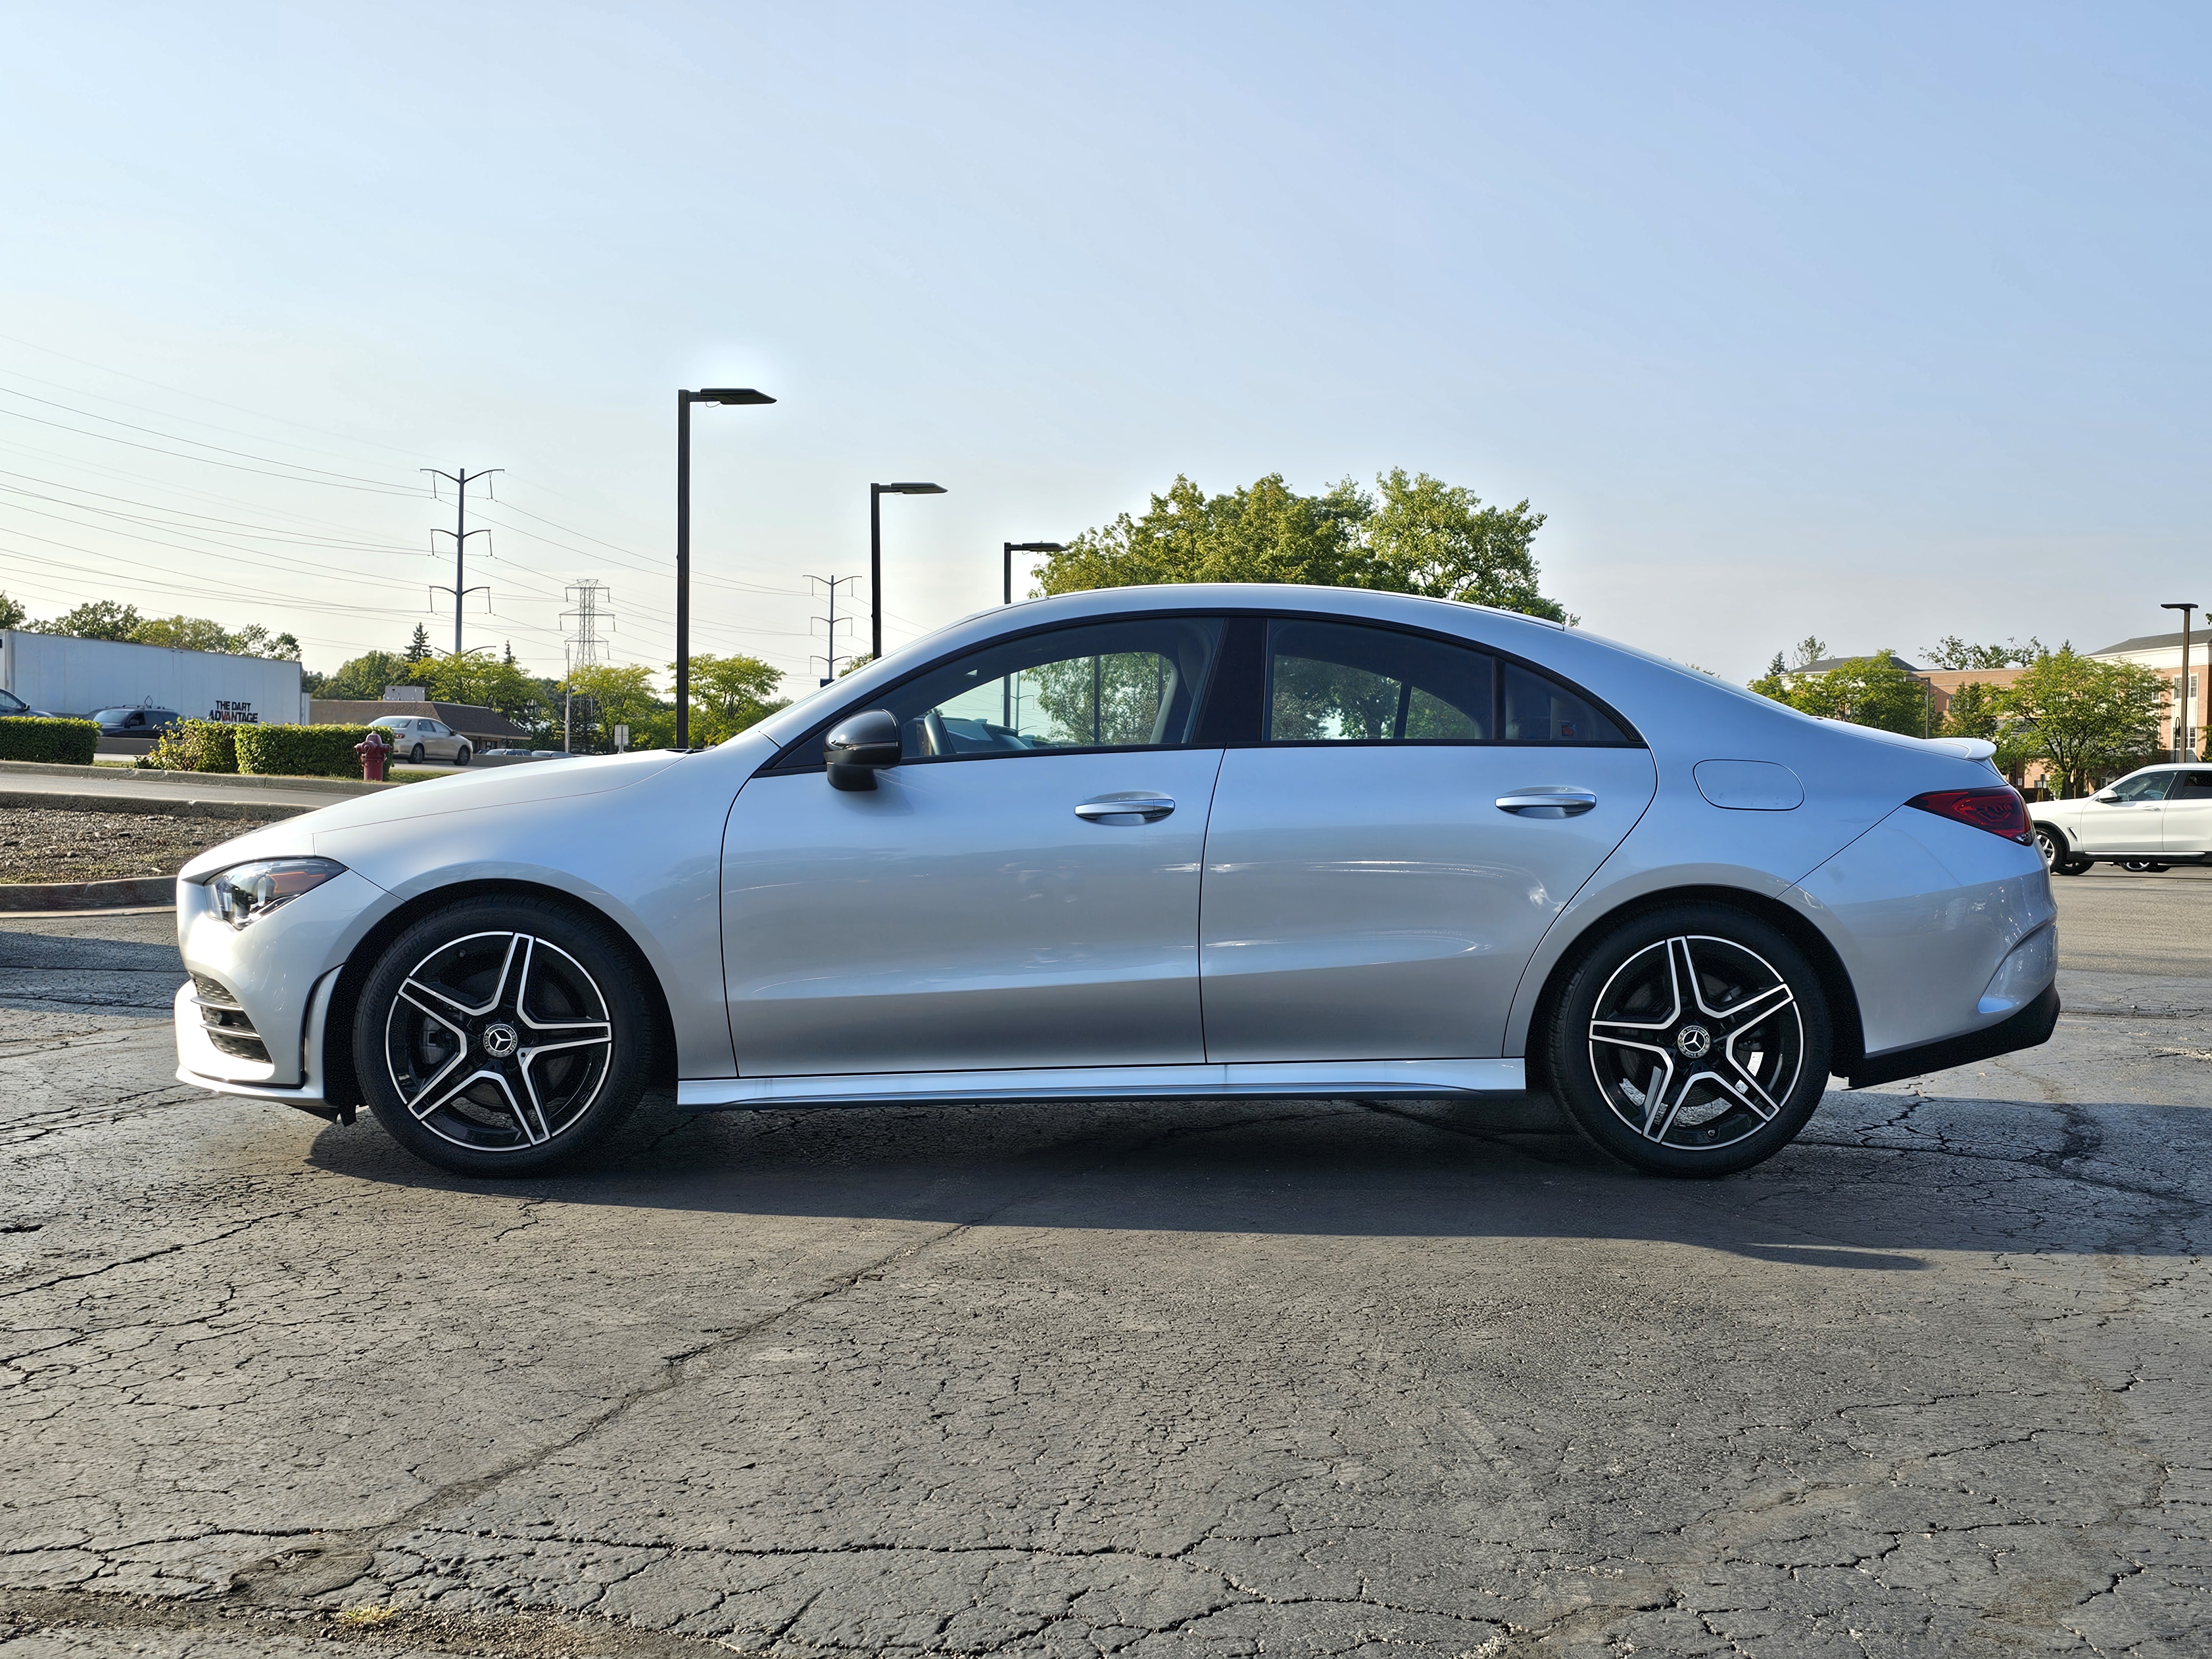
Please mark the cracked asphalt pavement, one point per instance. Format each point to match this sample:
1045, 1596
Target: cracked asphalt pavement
1315, 1379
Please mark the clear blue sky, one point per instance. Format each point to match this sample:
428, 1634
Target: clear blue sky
1877, 322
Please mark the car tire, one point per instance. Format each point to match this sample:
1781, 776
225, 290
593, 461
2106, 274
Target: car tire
461, 755
503, 1036
415, 755
1693, 1040
2051, 843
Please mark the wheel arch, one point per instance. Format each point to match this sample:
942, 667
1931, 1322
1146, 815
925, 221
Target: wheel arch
1835, 981
342, 1087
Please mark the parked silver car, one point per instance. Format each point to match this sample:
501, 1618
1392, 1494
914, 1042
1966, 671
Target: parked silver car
2159, 815
419, 739
1174, 841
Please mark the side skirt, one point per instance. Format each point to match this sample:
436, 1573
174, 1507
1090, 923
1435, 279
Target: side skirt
1353, 1080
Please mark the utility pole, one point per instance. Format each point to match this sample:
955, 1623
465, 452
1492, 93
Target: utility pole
460, 532
2181, 715
831, 623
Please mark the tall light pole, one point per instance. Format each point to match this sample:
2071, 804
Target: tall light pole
742, 394
2181, 720
876, 493
1013, 548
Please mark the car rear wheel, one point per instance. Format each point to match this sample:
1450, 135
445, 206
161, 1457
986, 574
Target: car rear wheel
503, 1036
415, 754
1693, 1040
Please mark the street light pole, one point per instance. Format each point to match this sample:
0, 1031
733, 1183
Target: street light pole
1013, 548
683, 401
876, 493
2181, 719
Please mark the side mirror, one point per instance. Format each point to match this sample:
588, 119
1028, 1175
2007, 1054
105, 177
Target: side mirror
2108, 795
858, 744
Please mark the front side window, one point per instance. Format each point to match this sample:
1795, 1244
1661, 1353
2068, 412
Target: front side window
2144, 785
11, 704
1344, 683
1132, 684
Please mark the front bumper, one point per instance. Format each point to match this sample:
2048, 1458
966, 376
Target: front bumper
204, 1065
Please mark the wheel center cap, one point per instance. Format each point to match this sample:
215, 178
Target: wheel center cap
500, 1040
1694, 1040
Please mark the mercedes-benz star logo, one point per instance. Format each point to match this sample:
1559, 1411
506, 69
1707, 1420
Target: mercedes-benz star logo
1694, 1040
500, 1042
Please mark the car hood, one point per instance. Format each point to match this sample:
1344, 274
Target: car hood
463, 792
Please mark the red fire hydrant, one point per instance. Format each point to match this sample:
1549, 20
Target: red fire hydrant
373, 750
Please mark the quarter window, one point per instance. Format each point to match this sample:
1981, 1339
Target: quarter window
1132, 684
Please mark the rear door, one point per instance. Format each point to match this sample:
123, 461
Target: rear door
2186, 824
1386, 854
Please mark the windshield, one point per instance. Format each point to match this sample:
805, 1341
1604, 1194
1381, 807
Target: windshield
112, 715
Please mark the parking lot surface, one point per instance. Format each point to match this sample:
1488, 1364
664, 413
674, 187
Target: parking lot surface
1310, 1378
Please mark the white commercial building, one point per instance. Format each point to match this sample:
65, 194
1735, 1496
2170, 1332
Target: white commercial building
65, 675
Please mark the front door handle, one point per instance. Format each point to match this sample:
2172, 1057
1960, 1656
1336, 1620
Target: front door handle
1545, 800
1131, 807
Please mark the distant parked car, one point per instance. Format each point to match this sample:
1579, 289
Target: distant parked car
135, 722
2159, 815
419, 740
10, 704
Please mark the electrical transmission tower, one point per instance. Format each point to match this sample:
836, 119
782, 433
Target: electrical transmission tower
583, 648
831, 624
460, 532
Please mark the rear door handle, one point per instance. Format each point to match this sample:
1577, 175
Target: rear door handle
1131, 807
1545, 800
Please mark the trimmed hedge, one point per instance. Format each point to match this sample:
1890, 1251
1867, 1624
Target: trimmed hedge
28, 737
195, 746
301, 751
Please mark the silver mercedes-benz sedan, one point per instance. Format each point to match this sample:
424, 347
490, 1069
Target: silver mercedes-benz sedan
1149, 842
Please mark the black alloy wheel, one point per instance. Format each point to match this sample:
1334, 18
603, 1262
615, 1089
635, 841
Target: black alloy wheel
461, 756
415, 755
1693, 1040
503, 1036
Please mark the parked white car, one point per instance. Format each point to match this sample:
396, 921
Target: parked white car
2161, 815
418, 739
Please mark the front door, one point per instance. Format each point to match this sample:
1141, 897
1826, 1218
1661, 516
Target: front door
1381, 867
2133, 822
1021, 889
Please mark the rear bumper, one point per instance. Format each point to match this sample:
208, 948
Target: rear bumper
2026, 1029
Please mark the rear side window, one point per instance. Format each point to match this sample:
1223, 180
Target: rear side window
2192, 785
1345, 683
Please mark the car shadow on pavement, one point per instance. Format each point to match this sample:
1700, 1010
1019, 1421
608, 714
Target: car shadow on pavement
1982, 1174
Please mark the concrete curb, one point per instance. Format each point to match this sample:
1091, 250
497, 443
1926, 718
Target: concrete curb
227, 780
152, 805
133, 890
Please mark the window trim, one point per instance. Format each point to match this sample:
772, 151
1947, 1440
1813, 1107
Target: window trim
792, 758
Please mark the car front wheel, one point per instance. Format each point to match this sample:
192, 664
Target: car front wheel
461, 755
1692, 1041
501, 1036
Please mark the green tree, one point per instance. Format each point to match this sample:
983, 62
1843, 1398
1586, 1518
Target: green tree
1864, 690
96, 619
2090, 720
617, 696
480, 678
12, 614
729, 693
418, 647
1952, 651
363, 678
1421, 537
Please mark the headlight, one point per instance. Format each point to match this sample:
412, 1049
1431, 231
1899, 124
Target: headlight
247, 890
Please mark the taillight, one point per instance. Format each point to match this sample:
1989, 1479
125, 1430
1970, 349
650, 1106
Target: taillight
2000, 811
